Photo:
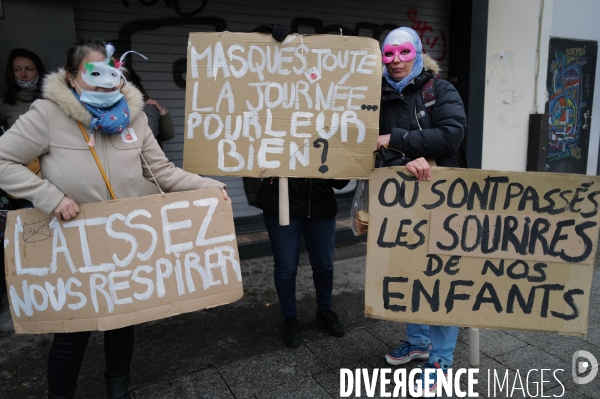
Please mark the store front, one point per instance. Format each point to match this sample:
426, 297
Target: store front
159, 29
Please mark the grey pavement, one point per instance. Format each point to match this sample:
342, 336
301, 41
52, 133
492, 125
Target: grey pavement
236, 351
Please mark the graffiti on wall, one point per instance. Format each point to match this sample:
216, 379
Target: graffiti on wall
565, 104
434, 40
571, 69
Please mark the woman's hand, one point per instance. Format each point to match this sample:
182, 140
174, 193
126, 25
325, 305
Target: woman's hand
225, 196
66, 209
420, 168
161, 110
383, 140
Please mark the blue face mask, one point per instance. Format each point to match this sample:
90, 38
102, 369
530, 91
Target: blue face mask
100, 99
107, 120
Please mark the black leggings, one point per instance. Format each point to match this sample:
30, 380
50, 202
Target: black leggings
66, 355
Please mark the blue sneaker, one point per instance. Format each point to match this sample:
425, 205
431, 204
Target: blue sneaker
431, 370
406, 353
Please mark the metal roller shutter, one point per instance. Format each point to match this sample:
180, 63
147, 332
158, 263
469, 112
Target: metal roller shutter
159, 29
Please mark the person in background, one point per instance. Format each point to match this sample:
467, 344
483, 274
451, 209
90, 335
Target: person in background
23, 79
408, 125
159, 121
159, 118
87, 95
312, 211
6, 205
22, 86
22, 83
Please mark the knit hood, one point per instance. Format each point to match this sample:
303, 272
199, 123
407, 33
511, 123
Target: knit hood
56, 88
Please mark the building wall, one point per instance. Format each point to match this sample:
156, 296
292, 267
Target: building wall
511, 67
515, 73
46, 28
160, 31
578, 19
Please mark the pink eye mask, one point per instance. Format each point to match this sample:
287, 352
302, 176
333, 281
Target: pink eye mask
390, 51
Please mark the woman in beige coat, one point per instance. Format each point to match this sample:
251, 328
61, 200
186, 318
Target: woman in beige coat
111, 112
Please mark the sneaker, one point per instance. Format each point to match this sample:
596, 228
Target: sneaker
330, 322
431, 369
291, 337
406, 353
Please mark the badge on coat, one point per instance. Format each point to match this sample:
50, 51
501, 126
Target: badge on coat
129, 136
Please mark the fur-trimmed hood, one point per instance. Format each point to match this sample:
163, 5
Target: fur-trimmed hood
429, 64
56, 88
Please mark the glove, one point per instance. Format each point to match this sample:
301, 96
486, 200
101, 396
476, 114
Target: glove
279, 33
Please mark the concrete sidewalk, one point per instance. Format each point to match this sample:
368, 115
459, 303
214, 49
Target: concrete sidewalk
236, 351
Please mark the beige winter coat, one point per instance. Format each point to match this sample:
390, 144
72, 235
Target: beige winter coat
50, 131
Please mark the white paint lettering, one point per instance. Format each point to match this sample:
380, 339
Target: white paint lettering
265, 148
95, 287
296, 155
161, 275
142, 212
71, 293
296, 123
145, 281
121, 236
114, 287
85, 247
232, 153
168, 227
201, 239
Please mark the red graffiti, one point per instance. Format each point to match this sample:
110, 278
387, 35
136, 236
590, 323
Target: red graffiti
427, 34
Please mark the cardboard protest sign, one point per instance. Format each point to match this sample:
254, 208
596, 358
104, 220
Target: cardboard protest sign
305, 107
121, 262
507, 250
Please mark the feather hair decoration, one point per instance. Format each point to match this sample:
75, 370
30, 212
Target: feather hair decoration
120, 64
110, 50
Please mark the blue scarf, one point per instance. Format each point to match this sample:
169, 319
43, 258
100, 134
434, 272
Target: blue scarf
418, 65
111, 120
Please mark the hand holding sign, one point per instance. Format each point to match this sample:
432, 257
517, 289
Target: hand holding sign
66, 209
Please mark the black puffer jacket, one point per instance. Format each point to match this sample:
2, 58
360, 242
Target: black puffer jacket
309, 198
442, 130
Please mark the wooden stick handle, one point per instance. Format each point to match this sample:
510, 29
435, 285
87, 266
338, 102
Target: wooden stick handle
284, 202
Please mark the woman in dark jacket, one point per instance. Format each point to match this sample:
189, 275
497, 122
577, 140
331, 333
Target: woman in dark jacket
312, 216
422, 117
406, 123
312, 208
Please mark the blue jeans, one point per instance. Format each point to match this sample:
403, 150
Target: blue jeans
441, 338
319, 235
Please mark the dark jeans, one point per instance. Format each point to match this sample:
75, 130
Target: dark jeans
319, 235
66, 355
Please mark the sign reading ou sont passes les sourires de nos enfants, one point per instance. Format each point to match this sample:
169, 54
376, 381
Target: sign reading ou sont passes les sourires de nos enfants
482, 248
